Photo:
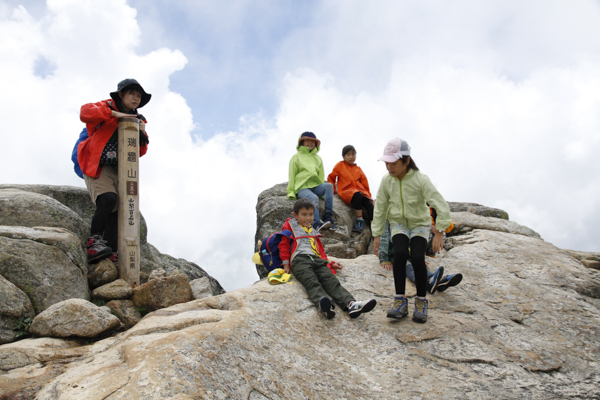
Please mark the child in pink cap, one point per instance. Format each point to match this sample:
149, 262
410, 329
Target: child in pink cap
402, 199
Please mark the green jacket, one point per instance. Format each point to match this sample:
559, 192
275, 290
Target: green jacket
405, 202
306, 171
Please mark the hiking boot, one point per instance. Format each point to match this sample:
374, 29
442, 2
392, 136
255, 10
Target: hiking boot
97, 249
449, 280
435, 280
420, 314
326, 306
321, 226
356, 308
360, 223
114, 257
328, 218
399, 309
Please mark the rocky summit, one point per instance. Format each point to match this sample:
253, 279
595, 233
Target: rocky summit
524, 323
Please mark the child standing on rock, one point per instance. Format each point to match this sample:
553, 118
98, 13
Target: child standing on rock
97, 158
304, 255
352, 186
402, 199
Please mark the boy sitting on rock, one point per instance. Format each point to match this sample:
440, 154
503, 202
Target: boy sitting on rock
304, 255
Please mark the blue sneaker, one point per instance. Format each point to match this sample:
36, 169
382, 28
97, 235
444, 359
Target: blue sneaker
435, 280
420, 314
326, 306
358, 228
358, 307
450, 280
399, 309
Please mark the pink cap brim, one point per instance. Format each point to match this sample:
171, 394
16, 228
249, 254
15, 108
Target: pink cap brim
388, 158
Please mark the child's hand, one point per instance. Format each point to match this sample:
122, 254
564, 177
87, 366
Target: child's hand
336, 265
376, 242
286, 268
438, 241
142, 126
387, 266
118, 114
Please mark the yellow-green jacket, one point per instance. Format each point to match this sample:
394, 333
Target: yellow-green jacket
306, 171
405, 202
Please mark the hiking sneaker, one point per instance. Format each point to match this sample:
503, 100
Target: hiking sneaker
114, 257
328, 218
449, 280
360, 223
435, 280
321, 226
399, 309
97, 249
358, 307
420, 314
326, 306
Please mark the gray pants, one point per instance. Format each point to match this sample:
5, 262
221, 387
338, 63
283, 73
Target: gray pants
316, 277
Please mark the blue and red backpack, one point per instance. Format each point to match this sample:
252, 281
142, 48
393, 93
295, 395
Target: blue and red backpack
269, 250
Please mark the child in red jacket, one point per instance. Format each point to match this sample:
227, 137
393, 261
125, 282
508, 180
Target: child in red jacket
97, 158
352, 187
305, 257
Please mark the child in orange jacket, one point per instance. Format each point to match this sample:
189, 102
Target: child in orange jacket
352, 186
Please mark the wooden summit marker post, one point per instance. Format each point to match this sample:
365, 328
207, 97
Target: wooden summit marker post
129, 201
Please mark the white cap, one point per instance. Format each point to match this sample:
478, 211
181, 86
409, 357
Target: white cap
394, 150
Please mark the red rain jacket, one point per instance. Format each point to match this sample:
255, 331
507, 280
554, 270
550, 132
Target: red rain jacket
100, 125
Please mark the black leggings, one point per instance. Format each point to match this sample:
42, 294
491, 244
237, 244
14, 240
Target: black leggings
417, 258
359, 201
104, 222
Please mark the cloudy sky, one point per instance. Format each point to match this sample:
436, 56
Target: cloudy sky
499, 100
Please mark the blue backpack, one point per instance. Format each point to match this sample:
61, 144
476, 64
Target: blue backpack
269, 249
82, 136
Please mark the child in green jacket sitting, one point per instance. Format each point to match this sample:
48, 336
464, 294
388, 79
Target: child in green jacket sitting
307, 179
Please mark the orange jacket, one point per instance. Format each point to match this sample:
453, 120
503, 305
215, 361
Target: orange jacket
350, 179
100, 125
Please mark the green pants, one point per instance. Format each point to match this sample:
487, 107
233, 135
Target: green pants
316, 277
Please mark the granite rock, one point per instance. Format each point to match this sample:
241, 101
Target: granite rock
116, 290
74, 317
523, 323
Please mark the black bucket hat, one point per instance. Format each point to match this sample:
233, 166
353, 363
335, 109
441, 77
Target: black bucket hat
125, 83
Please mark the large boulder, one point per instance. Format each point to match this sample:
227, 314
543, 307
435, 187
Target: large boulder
126, 311
273, 208
102, 273
523, 323
116, 290
76, 198
15, 308
29, 209
465, 222
74, 317
43, 263
478, 209
162, 292
71, 208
